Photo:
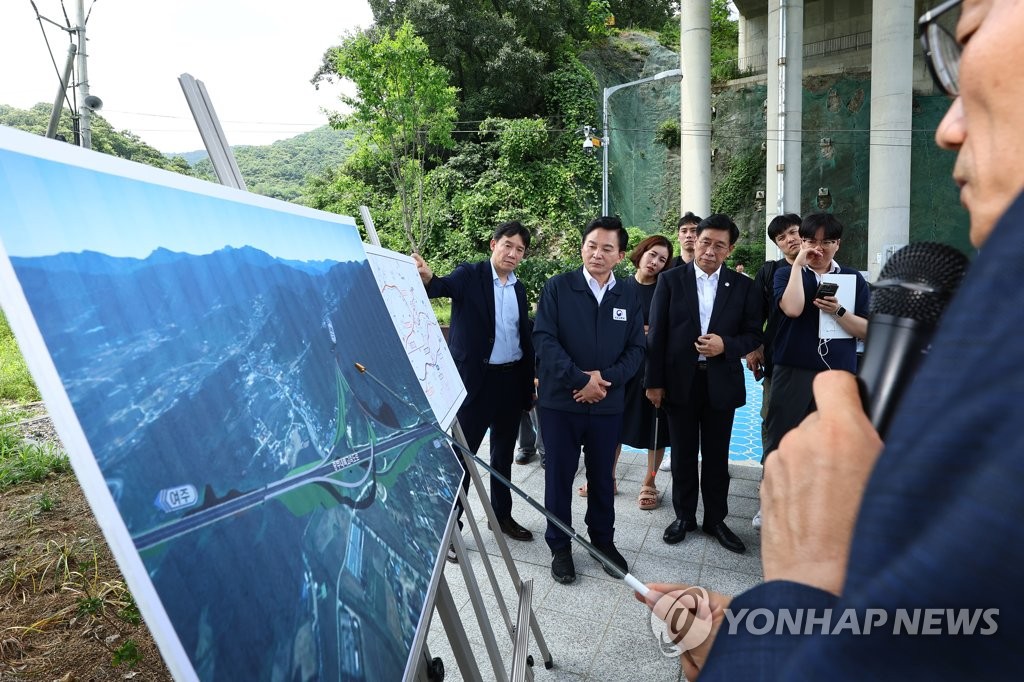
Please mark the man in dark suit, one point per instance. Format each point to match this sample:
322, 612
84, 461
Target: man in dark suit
490, 343
590, 342
933, 521
704, 319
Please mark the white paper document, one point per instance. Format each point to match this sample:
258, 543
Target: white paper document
828, 325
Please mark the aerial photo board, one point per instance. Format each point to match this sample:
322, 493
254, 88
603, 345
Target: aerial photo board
277, 513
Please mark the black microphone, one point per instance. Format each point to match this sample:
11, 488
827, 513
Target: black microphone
911, 293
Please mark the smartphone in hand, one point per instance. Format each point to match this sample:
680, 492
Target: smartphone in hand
826, 289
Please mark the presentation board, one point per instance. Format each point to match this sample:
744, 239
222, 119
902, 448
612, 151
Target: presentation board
418, 330
276, 513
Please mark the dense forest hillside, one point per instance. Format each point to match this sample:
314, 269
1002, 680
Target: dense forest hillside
281, 170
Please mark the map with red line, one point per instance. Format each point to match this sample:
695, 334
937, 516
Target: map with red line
417, 327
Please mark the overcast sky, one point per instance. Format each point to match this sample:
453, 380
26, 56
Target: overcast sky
256, 58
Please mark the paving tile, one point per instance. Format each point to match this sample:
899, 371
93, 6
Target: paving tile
742, 487
572, 641
635, 655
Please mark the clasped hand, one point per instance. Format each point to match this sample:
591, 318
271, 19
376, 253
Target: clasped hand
595, 390
709, 345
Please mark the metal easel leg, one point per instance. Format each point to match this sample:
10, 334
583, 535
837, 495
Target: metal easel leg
449, 614
484, 495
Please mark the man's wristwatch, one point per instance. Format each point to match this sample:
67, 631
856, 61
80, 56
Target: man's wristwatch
841, 311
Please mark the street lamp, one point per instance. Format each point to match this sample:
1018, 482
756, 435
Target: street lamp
671, 73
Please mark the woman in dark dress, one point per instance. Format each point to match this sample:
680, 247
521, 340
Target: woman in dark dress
640, 428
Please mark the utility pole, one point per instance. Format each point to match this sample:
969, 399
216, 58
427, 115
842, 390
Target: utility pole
58, 102
85, 110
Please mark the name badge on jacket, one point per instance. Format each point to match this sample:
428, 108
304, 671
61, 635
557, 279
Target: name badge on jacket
619, 314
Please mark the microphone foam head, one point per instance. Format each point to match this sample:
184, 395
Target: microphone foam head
918, 282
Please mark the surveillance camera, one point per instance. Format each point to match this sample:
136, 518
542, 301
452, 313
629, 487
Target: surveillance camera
588, 144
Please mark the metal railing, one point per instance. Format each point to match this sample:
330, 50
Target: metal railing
756, 64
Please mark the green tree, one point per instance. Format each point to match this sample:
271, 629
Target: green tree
725, 34
403, 108
495, 51
650, 14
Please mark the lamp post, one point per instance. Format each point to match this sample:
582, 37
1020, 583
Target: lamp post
608, 92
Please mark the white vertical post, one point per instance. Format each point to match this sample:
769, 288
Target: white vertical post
892, 76
785, 111
695, 108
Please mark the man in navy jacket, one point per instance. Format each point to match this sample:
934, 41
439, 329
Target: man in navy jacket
491, 345
589, 336
932, 523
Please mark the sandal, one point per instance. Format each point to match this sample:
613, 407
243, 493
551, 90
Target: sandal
648, 499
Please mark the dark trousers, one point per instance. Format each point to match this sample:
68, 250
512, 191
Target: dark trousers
530, 440
791, 399
565, 433
694, 427
496, 406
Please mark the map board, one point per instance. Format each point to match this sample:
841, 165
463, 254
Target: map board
417, 327
276, 513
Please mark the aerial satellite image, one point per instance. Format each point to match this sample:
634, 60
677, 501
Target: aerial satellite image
287, 508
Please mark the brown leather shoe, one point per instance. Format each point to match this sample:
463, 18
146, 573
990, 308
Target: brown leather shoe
512, 529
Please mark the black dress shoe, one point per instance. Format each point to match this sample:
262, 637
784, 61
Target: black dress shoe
614, 556
676, 531
512, 529
525, 457
563, 569
726, 538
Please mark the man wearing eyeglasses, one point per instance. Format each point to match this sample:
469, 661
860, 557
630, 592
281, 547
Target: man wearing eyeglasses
799, 352
933, 521
704, 319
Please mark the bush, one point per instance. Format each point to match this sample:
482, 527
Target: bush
15, 381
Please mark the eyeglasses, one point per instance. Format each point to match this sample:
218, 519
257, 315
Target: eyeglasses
941, 48
824, 243
709, 245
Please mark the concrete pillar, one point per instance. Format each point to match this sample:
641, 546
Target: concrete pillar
892, 76
695, 114
784, 115
741, 51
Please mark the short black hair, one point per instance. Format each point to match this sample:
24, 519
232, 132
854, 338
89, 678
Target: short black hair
720, 221
688, 219
511, 229
781, 223
608, 222
816, 221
